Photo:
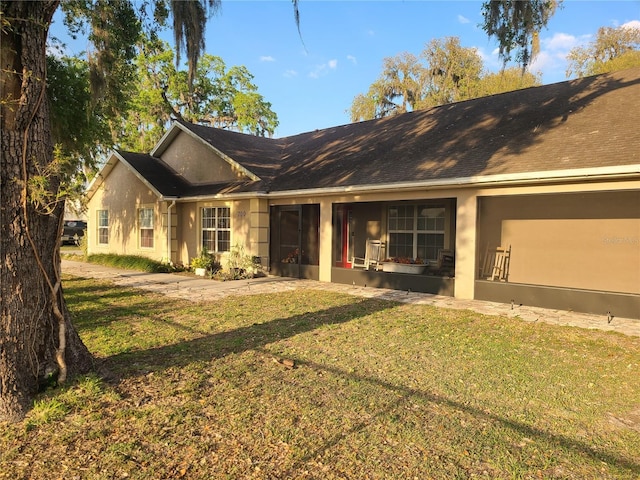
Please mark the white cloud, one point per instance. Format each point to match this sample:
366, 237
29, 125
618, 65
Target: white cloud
290, 73
462, 19
490, 60
551, 61
267, 58
542, 62
560, 42
321, 70
632, 24
352, 59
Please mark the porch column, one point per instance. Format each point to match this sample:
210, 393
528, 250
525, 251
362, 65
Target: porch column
259, 229
466, 233
326, 240
170, 229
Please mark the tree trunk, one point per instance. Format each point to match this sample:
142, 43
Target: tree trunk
37, 339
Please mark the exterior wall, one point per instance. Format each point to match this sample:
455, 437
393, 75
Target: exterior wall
188, 237
614, 205
369, 222
197, 162
189, 227
587, 241
122, 196
574, 236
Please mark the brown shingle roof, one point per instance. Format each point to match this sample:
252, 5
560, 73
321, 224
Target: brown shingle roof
592, 122
585, 123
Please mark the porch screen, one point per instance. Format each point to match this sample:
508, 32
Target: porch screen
416, 231
216, 229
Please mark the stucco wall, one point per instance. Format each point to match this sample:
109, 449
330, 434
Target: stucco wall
188, 236
190, 224
589, 240
197, 162
122, 196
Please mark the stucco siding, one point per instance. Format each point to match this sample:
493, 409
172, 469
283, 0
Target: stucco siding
190, 228
197, 162
122, 197
588, 241
188, 236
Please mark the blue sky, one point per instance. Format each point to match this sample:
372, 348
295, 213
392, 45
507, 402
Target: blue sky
311, 81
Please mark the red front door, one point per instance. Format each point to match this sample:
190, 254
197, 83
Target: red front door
345, 221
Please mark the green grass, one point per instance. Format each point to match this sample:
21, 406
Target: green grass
380, 390
130, 262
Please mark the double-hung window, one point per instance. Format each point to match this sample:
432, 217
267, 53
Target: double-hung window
416, 231
216, 229
145, 219
103, 227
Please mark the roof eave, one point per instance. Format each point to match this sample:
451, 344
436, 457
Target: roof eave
102, 175
501, 180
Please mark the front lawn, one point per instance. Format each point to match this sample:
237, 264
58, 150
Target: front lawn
377, 390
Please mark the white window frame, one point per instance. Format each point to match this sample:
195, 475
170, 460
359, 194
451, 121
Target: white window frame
102, 223
144, 227
414, 229
216, 223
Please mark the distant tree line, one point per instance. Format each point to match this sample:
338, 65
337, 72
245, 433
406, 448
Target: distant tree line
445, 72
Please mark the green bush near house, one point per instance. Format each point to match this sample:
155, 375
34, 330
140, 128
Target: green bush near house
130, 262
205, 260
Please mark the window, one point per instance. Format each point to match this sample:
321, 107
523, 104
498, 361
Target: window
145, 217
103, 227
216, 229
416, 231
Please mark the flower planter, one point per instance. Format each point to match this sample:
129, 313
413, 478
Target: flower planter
201, 272
413, 268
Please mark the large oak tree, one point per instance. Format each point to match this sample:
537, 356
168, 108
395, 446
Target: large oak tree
37, 338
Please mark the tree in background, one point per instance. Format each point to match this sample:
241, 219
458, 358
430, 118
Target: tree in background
396, 91
81, 130
449, 73
506, 80
613, 49
218, 97
517, 25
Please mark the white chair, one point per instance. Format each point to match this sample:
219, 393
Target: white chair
496, 264
373, 256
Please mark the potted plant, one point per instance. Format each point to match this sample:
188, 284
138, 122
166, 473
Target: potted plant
202, 263
242, 265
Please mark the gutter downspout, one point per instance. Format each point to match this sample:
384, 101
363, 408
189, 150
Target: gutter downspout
171, 205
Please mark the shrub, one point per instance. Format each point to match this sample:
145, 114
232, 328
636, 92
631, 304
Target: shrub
130, 262
206, 260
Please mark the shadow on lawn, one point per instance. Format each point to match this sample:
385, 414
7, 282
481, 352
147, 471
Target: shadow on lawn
406, 393
258, 335
241, 339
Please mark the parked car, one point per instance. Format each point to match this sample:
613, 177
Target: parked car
73, 231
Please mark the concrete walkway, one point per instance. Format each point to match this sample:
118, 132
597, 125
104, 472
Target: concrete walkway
200, 289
